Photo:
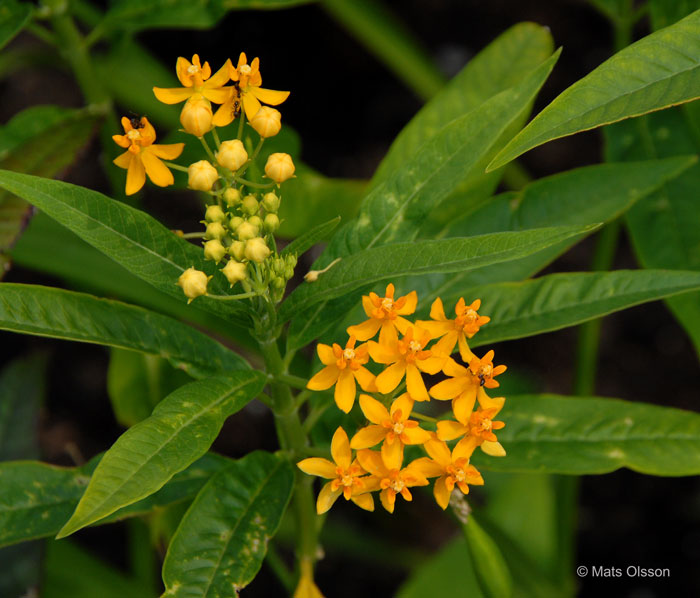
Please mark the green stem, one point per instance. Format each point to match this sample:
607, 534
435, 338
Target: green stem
241, 122
233, 297
207, 149
294, 381
255, 185
42, 33
175, 166
192, 235
275, 562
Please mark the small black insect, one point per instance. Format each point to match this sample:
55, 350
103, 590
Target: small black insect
135, 121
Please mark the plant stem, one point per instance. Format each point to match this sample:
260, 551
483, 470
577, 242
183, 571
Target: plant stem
294, 381
207, 149
275, 562
175, 166
215, 135
256, 185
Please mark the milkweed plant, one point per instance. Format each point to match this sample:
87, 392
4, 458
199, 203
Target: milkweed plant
374, 357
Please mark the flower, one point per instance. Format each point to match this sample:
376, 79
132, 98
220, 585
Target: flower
193, 283
387, 475
256, 250
196, 79
345, 475
214, 250
406, 356
235, 271
452, 468
384, 315
232, 154
464, 382
279, 167
143, 157
343, 368
201, 176
246, 90
388, 425
267, 122
465, 325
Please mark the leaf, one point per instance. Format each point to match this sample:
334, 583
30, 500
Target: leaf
181, 429
447, 255
134, 15
490, 568
394, 210
555, 301
222, 539
37, 498
505, 62
136, 382
664, 12
555, 434
13, 17
310, 238
129, 236
658, 71
46, 311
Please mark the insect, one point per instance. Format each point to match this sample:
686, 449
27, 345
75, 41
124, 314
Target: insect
135, 121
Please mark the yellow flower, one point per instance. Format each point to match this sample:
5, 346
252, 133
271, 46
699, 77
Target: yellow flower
388, 425
279, 167
143, 157
267, 122
406, 356
384, 315
452, 468
344, 473
464, 383
235, 272
343, 367
201, 176
232, 155
387, 475
246, 90
193, 283
196, 115
196, 79
465, 325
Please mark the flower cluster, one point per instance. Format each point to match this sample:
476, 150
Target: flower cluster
404, 349
240, 225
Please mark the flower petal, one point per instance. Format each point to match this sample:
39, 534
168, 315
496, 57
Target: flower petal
388, 499
173, 95
325, 354
371, 461
387, 333
439, 452
382, 353
155, 169
365, 378
326, 498
495, 449
224, 114
221, 77
368, 436
366, 330
167, 151
415, 436
340, 448
326, 378
437, 311
135, 175
318, 466
449, 430
465, 448
441, 493
392, 455
218, 95
448, 389
364, 501
345, 390
123, 160
410, 306
427, 467
405, 403
389, 379
374, 411
270, 96
251, 105
463, 405
414, 383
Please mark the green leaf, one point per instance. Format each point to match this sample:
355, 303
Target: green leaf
555, 301
181, 429
136, 383
490, 568
310, 238
36, 498
394, 210
46, 311
129, 236
400, 259
666, 12
226, 529
660, 70
555, 434
135, 15
13, 17
505, 62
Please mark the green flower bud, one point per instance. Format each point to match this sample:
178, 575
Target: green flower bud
271, 202
250, 205
215, 230
278, 283
232, 197
272, 223
278, 266
256, 221
288, 273
235, 222
291, 261
237, 250
193, 283
235, 272
256, 250
214, 250
246, 231
214, 214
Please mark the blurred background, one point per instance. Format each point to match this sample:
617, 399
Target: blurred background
347, 108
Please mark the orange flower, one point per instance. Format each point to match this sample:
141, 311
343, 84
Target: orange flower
465, 325
196, 79
384, 315
343, 367
143, 157
344, 473
388, 426
406, 356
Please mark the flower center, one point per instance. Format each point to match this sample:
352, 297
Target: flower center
471, 316
415, 346
134, 135
348, 354
485, 424
192, 69
346, 480
397, 485
387, 304
398, 428
459, 475
485, 370
244, 69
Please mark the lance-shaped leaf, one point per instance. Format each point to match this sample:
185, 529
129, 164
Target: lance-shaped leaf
658, 71
37, 498
310, 238
400, 259
222, 539
129, 236
585, 435
181, 429
555, 301
489, 565
46, 311
13, 17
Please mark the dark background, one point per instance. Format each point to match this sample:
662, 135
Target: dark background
348, 108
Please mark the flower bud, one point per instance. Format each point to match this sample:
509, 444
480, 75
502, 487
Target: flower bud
193, 283
232, 154
256, 221
237, 250
250, 205
196, 115
271, 202
214, 250
291, 261
202, 176
215, 230
232, 197
246, 231
278, 266
235, 272
214, 214
278, 283
267, 121
279, 167
235, 222
288, 273
272, 223
256, 250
